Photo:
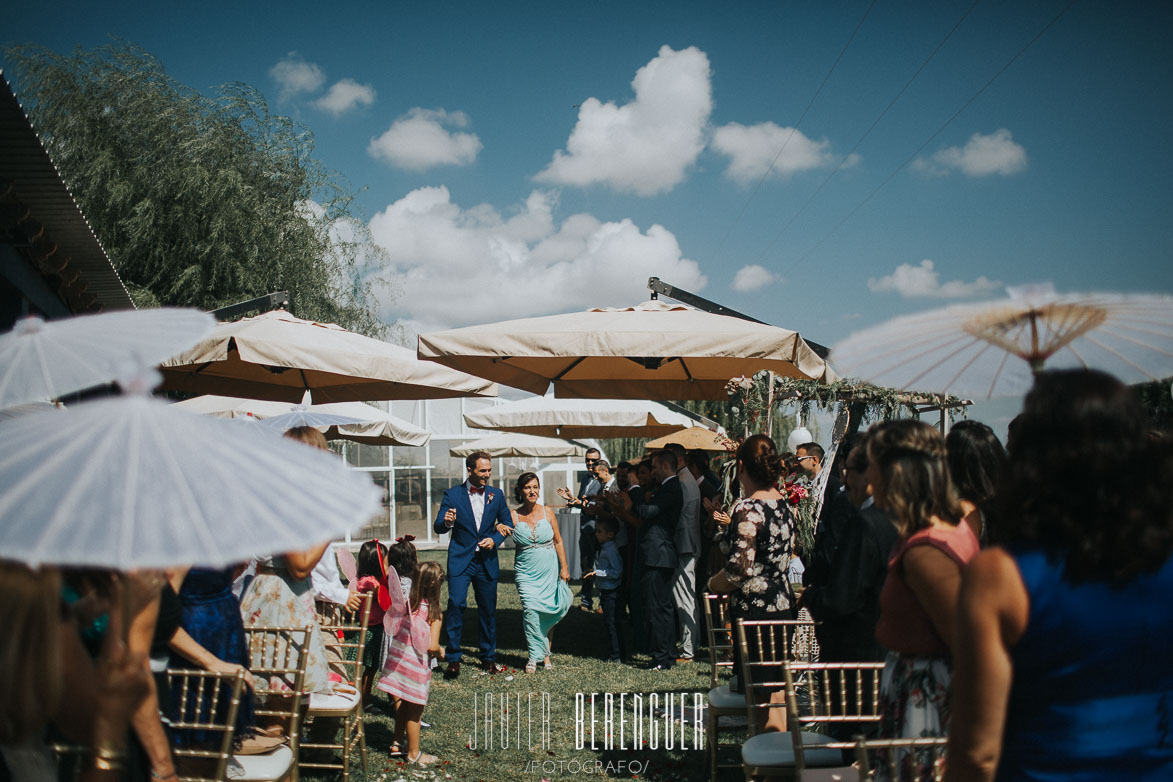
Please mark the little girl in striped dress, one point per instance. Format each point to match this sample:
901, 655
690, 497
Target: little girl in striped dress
412, 627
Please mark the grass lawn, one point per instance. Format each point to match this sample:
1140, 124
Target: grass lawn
580, 648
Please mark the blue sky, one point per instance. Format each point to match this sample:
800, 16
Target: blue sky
530, 158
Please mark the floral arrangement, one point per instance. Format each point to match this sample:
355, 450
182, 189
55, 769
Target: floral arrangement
801, 499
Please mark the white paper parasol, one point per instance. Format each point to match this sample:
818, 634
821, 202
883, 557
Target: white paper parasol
132, 482
989, 350
513, 444
45, 360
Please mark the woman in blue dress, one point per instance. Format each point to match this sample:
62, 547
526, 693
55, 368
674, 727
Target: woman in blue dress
540, 570
1064, 629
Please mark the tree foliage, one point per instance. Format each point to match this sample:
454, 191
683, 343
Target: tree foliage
199, 201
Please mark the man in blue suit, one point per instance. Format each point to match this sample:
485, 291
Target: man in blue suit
471, 512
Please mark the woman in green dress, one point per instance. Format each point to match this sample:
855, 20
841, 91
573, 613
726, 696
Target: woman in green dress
540, 570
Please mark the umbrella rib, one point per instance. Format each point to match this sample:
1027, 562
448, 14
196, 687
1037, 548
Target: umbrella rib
687, 374
927, 343
998, 374
1133, 340
929, 369
573, 364
1113, 352
966, 366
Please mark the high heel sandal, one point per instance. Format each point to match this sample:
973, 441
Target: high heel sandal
422, 760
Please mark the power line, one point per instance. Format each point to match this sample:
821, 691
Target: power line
936, 133
793, 130
867, 132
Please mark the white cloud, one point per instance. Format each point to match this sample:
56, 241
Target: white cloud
997, 153
463, 266
751, 149
295, 76
647, 145
752, 277
344, 95
923, 280
419, 140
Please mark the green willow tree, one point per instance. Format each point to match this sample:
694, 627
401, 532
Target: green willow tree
199, 201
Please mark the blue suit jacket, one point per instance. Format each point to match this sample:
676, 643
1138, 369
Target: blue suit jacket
465, 532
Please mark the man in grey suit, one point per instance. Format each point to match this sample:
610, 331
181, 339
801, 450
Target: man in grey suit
688, 546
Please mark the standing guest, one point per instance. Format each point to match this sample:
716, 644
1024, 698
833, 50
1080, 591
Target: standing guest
976, 460
586, 524
371, 576
759, 541
918, 604
1064, 631
656, 519
847, 605
472, 512
540, 568
623, 472
710, 489
688, 546
413, 622
608, 572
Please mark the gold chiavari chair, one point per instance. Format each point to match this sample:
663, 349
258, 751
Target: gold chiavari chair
722, 702
277, 658
207, 702
346, 703
815, 695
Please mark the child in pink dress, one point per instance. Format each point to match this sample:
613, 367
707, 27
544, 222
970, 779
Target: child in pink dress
412, 626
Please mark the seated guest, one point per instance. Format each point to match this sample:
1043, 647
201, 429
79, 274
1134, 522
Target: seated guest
1064, 629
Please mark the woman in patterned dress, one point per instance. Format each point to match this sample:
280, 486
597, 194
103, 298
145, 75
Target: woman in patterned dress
759, 543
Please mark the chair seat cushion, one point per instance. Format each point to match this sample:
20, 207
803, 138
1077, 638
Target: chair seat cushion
841, 774
344, 700
721, 699
271, 765
777, 749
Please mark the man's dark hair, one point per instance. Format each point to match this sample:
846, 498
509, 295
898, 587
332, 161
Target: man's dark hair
699, 459
813, 449
678, 449
625, 465
595, 451
603, 463
666, 457
471, 460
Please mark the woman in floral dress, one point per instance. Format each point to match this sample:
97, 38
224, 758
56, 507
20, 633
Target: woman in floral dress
759, 543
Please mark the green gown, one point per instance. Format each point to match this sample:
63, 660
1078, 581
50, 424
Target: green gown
545, 598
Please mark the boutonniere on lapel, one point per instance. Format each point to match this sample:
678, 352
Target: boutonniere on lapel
488, 496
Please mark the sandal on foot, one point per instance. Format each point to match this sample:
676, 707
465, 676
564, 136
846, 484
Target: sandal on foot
549, 666
421, 759
531, 667
395, 750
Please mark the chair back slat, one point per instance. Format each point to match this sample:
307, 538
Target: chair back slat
839, 693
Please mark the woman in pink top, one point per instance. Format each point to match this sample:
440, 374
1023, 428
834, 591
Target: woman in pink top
910, 481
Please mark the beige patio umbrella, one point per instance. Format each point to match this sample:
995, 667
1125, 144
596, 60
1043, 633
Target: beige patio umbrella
576, 419
697, 438
655, 350
368, 425
279, 357
514, 444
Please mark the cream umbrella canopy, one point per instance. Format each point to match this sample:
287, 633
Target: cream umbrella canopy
991, 349
697, 438
514, 444
367, 425
576, 419
655, 350
279, 357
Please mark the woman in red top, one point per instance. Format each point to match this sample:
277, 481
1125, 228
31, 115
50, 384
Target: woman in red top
910, 481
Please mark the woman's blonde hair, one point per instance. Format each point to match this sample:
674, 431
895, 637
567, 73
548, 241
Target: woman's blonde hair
309, 436
914, 476
426, 586
30, 655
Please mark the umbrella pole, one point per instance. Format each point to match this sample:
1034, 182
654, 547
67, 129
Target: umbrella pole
770, 407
